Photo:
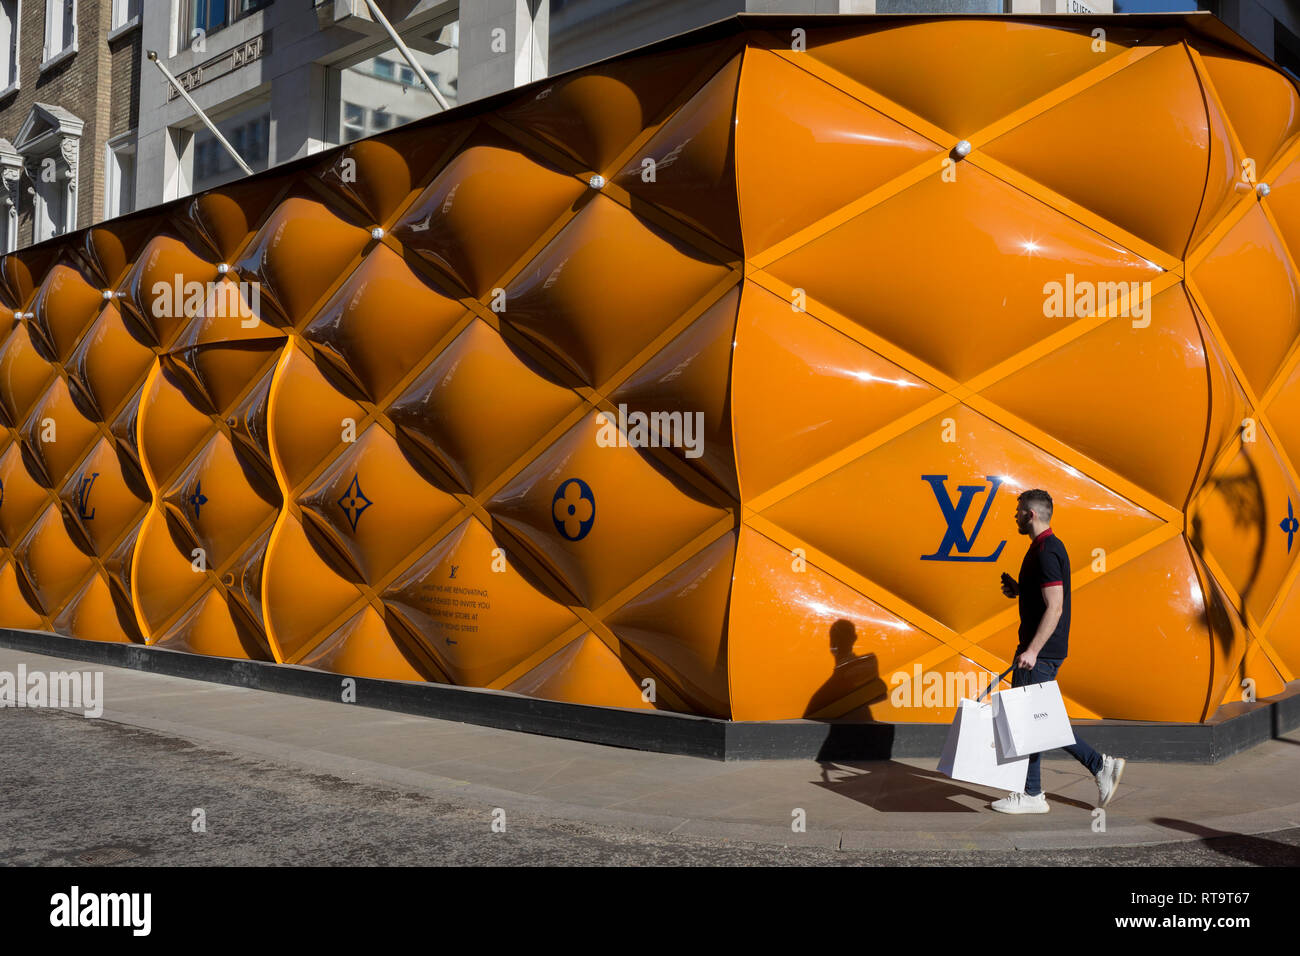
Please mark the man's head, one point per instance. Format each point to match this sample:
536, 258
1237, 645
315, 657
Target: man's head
1033, 508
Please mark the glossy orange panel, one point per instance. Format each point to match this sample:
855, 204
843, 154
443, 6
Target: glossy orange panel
470, 586
99, 501
580, 503
1284, 635
977, 250
303, 598
1126, 397
467, 587
355, 330
24, 375
484, 210
303, 394
110, 362
595, 113
161, 283
834, 641
209, 628
1262, 103
587, 672
379, 175
688, 377
678, 625
692, 171
1150, 183
1254, 296
964, 74
803, 391
364, 647
65, 305
517, 403
57, 432
24, 497
794, 122
605, 258
372, 506
51, 564
17, 611
93, 616
219, 501
297, 255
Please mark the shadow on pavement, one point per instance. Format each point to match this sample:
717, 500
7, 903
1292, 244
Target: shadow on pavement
1237, 846
897, 788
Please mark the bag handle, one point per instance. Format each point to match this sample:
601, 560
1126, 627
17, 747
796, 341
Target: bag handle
995, 683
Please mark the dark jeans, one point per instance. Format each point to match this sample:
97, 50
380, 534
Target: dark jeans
1044, 671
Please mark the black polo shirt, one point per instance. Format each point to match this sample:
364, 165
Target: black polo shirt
1045, 563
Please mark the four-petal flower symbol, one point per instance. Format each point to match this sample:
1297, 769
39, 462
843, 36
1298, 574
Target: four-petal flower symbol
198, 499
574, 509
1290, 525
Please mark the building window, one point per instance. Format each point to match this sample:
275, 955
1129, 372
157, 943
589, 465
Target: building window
210, 16
206, 161
119, 176
8, 45
60, 29
379, 90
124, 11
1286, 49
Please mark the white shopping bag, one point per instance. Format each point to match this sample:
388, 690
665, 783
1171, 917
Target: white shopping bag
972, 753
1031, 719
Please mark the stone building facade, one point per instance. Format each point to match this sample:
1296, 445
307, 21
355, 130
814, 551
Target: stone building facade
70, 72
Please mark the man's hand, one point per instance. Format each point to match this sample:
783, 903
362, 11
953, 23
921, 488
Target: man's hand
1027, 659
1009, 586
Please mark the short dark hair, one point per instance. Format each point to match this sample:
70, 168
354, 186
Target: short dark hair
1037, 497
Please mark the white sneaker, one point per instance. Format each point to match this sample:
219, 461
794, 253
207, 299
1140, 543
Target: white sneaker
1112, 768
1021, 803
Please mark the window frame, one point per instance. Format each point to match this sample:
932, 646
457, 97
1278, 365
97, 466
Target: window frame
122, 18
15, 50
124, 143
234, 14
69, 48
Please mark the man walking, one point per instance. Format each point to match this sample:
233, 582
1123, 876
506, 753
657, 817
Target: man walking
1044, 593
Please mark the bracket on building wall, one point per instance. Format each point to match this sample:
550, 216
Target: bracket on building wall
11, 171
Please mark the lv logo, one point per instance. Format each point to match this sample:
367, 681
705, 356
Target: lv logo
954, 513
83, 498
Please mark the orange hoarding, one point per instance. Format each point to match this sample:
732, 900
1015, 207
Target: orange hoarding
703, 379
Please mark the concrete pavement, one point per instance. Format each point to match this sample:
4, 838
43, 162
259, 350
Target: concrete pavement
888, 805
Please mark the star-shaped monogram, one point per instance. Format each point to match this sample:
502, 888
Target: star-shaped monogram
354, 501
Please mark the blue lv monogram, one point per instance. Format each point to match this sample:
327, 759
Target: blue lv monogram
955, 516
83, 498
